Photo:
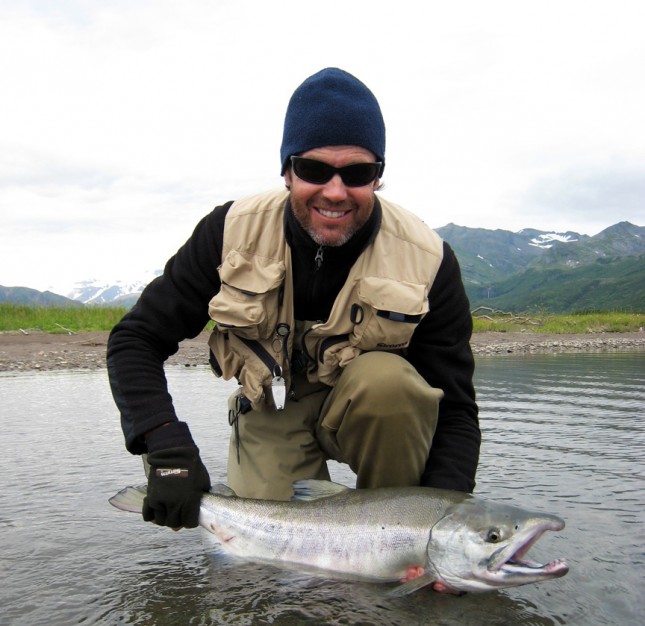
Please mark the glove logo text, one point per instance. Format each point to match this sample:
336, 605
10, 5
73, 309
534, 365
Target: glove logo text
166, 472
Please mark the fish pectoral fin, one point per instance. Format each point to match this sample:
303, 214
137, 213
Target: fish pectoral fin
411, 586
312, 489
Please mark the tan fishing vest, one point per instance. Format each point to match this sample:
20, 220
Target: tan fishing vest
379, 307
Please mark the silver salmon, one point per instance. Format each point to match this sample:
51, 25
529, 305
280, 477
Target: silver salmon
418, 536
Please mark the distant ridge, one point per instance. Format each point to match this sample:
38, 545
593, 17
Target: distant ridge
513, 271
119, 293
535, 269
33, 297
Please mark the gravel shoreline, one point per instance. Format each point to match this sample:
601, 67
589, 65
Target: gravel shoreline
38, 351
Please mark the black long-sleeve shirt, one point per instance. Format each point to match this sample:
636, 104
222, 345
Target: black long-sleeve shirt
174, 307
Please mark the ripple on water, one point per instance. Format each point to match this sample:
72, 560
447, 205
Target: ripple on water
561, 434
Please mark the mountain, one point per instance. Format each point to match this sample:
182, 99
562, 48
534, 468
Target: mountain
33, 297
604, 285
487, 256
617, 241
118, 293
530, 268
512, 271
86, 292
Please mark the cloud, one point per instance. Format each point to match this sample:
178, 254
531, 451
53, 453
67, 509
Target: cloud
126, 121
594, 197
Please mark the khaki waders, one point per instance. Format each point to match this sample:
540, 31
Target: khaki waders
379, 419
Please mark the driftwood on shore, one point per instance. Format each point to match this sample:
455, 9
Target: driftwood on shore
506, 316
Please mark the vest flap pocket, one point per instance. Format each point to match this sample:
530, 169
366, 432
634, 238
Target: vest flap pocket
251, 277
248, 300
387, 314
395, 300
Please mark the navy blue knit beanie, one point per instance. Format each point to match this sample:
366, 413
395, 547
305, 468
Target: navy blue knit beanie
332, 108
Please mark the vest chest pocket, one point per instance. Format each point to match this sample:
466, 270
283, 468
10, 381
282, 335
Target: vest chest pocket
387, 314
248, 301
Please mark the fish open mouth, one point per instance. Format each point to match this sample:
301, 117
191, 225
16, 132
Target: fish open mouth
527, 567
511, 560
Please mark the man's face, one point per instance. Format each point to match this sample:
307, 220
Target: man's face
332, 213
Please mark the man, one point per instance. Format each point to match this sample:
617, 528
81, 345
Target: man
342, 316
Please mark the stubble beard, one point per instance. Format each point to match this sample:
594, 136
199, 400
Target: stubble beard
302, 213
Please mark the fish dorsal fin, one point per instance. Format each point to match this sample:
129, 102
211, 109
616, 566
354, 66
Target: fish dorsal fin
220, 489
312, 489
130, 499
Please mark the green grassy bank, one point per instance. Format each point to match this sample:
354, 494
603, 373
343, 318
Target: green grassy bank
591, 322
59, 319
77, 319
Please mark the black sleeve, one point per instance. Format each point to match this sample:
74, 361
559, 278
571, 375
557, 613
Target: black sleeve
440, 351
172, 307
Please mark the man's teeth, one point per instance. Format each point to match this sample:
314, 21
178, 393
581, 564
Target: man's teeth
331, 214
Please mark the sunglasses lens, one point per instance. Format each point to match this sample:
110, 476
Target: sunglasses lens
319, 173
359, 174
315, 172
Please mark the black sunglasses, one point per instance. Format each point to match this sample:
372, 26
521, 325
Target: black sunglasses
319, 173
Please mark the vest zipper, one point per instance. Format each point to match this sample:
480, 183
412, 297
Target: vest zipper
303, 349
261, 353
319, 257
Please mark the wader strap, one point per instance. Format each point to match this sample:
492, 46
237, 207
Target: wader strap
242, 405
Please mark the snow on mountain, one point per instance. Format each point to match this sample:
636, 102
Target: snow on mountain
106, 292
546, 240
101, 292
481, 258
485, 256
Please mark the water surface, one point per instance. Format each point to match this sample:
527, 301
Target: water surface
562, 433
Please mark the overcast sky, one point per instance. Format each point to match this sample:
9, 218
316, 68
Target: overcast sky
122, 122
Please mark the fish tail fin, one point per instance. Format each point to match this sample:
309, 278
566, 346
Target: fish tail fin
129, 499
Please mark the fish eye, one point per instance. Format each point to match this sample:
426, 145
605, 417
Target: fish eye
493, 535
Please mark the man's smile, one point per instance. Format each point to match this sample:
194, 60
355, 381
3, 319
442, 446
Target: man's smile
331, 214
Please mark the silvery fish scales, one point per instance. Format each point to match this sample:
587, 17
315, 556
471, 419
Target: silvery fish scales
422, 536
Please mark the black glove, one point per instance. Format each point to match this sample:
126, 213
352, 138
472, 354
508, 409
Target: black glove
177, 479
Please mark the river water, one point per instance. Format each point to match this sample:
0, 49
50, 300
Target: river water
562, 433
